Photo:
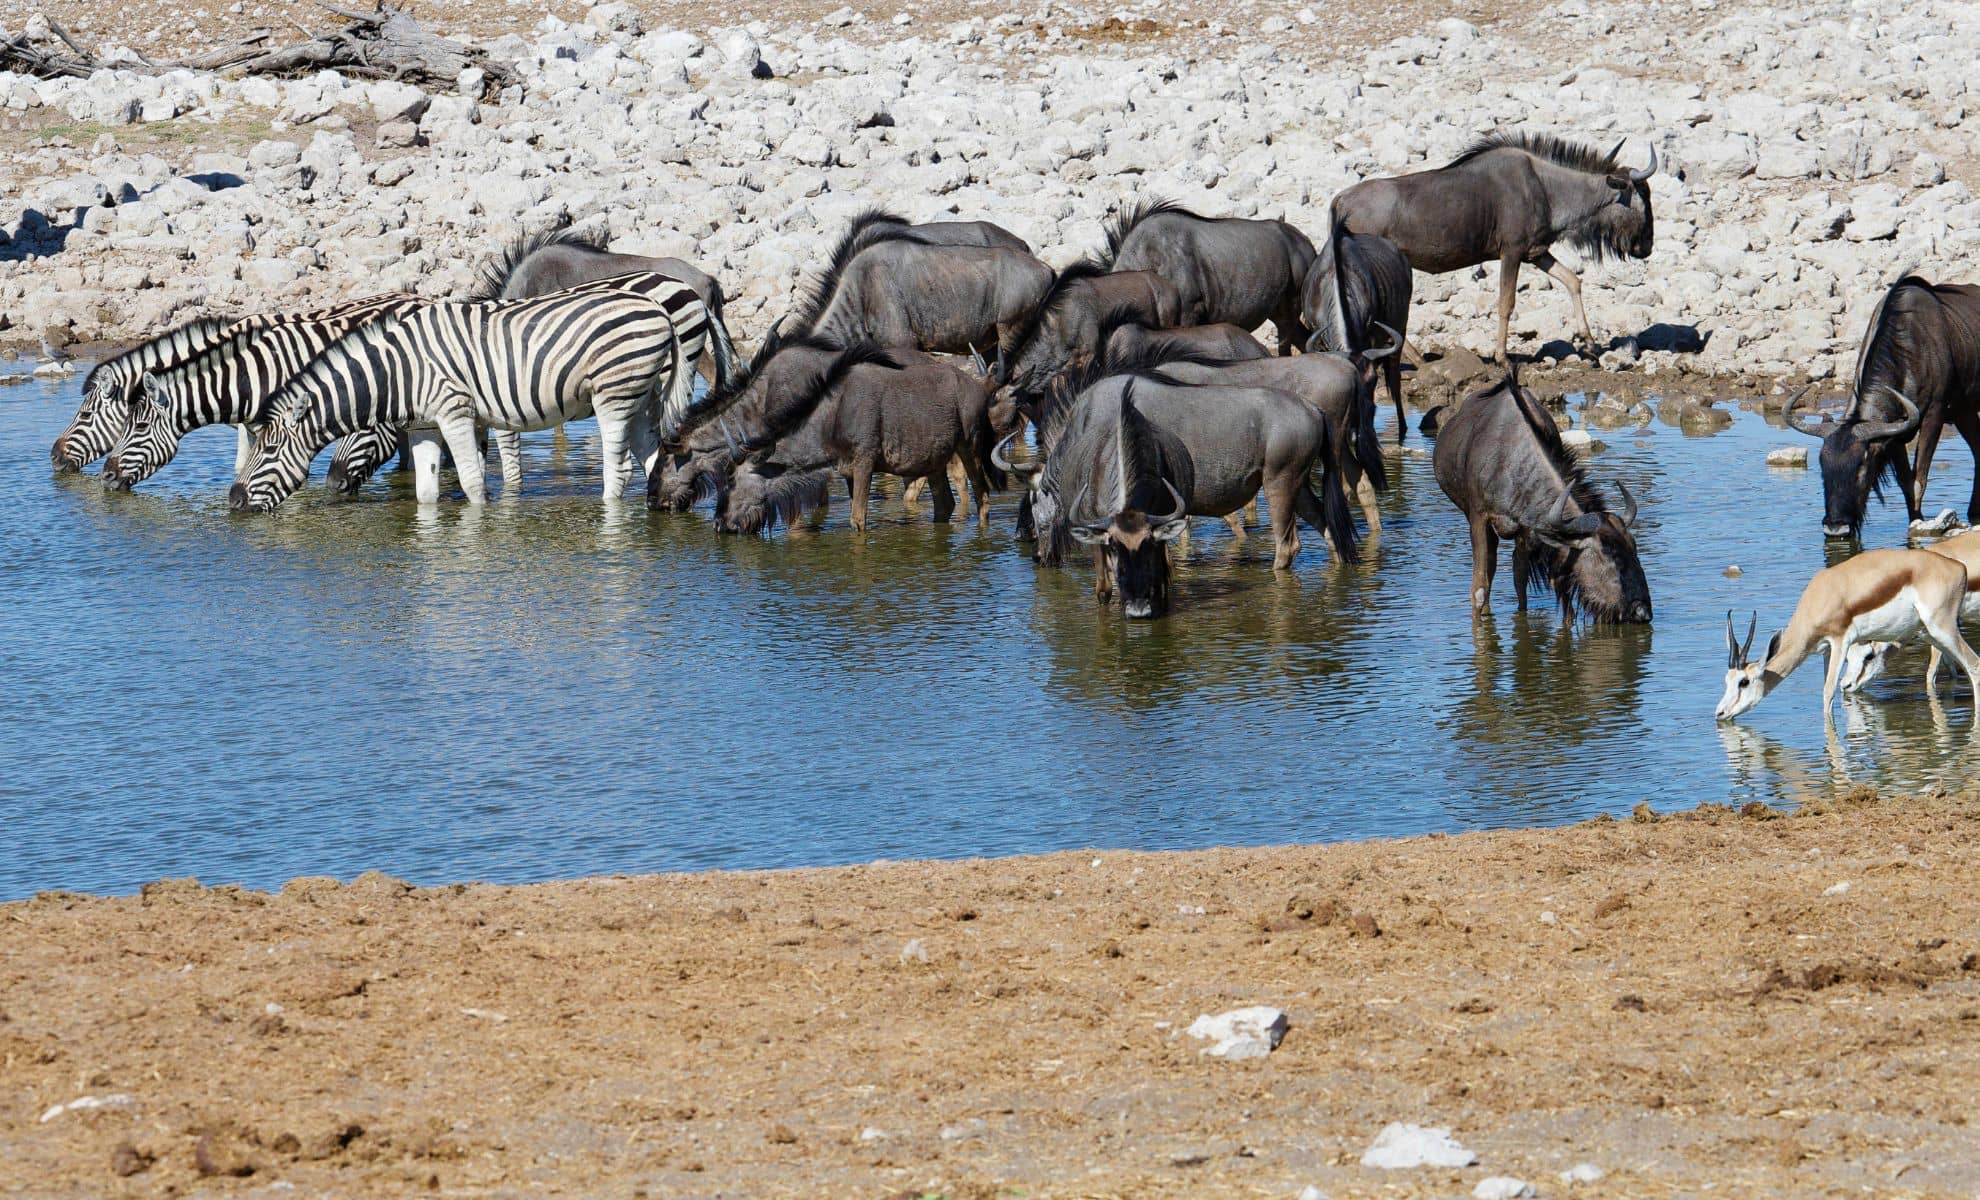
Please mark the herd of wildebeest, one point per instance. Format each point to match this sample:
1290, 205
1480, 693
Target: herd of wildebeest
926, 351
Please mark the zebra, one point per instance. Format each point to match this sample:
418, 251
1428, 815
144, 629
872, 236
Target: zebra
230, 382
696, 326
110, 390
513, 364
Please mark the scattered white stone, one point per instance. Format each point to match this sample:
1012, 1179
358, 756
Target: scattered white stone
485, 1014
1837, 889
1503, 1187
1548, 918
1945, 522
1582, 1173
1734, 572
914, 951
1788, 456
1310, 1192
1307, 16
870, 1134
84, 1103
1401, 1146
1241, 1033
839, 18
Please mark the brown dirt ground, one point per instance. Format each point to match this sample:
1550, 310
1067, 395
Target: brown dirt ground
1705, 1011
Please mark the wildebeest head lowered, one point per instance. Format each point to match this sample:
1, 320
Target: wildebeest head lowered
1858, 455
1135, 552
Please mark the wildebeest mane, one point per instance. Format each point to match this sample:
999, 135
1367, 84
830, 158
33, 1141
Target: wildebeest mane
718, 400
1125, 221
869, 227
784, 416
1881, 361
793, 493
494, 274
1055, 296
1545, 562
1565, 152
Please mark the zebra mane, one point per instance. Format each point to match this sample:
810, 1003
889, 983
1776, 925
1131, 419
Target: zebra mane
1125, 221
869, 227
324, 368
493, 275
1055, 298
1565, 152
170, 343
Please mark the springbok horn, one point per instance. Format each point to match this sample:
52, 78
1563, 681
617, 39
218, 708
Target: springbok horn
1629, 505
1395, 344
1646, 172
1732, 643
1746, 651
1796, 423
998, 460
1903, 427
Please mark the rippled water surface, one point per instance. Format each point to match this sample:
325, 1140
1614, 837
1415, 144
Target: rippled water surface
549, 688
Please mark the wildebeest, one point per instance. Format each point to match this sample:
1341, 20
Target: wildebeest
889, 283
1124, 338
1510, 197
867, 413
877, 224
1500, 459
1340, 386
563, 258
1359, 281
1918, 368
1124, 442
1067, 327
1227, 270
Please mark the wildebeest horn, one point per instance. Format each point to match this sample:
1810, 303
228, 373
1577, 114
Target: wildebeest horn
998, 460
1581, 526
1313, 343
976, 361
1903, 427
1395, 344
1003, 375
1796, 423
1629, 505
1178, 512
1646, 172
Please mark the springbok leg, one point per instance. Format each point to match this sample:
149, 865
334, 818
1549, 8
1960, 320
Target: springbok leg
1942, 628
1838, 650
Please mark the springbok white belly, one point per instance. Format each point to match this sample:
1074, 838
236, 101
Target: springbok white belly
1894, 620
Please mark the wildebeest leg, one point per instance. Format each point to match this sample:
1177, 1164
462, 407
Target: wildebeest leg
1364, 494
1392, 375
1285, 518
979, 485
1927, 445
1103, 579
1572, 282
1291, 330
945, 498
959, 478
1508, 287
1968, 425
862, 487
911, 494
1521, 567
1484, 562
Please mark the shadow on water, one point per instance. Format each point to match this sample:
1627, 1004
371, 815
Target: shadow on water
550, 686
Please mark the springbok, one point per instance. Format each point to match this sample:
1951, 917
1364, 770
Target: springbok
1867, 660
1880, 595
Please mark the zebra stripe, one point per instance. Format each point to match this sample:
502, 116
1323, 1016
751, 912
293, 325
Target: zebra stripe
516, 364
231, 383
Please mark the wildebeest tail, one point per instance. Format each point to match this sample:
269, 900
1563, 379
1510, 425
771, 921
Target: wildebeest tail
1328, 512
982, 440
718, 334
1367, 451
1333, 330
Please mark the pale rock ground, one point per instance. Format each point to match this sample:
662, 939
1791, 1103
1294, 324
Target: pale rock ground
1811, 153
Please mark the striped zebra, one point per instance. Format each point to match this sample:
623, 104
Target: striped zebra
512, 364
363, 451
231, 383
110, 390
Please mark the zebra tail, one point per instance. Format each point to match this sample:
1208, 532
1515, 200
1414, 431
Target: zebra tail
725, 350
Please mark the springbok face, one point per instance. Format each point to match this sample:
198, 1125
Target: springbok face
1745, 684
1863, 662
1135, 551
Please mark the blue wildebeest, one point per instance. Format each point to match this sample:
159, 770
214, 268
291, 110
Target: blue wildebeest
1130, 446
890, 283
1500, 459
1069, 325
1358, 282
1510, 198
564, 258
867, 414
1227, 270
877, 224
1918, 368
1340, 386
1125, 338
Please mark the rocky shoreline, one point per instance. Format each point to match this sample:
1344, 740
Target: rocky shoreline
1811, 152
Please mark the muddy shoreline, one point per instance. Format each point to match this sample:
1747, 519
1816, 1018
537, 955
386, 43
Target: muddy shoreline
1754, 1002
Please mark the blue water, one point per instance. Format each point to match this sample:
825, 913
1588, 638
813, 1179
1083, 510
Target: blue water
549, 688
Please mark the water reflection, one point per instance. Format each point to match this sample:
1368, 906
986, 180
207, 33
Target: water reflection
553, 686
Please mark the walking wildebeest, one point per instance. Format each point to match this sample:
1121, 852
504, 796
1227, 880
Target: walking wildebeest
1121, 336
1510, 197
867, 414
1343, 304
1067, 328
562, 258
877, 224
1215, 445
1227, 270
1340, 386
1919, 367
894, 284
1500, 459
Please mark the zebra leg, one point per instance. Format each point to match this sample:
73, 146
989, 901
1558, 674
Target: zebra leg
457, 427
425, 450
508, 446
617, 466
